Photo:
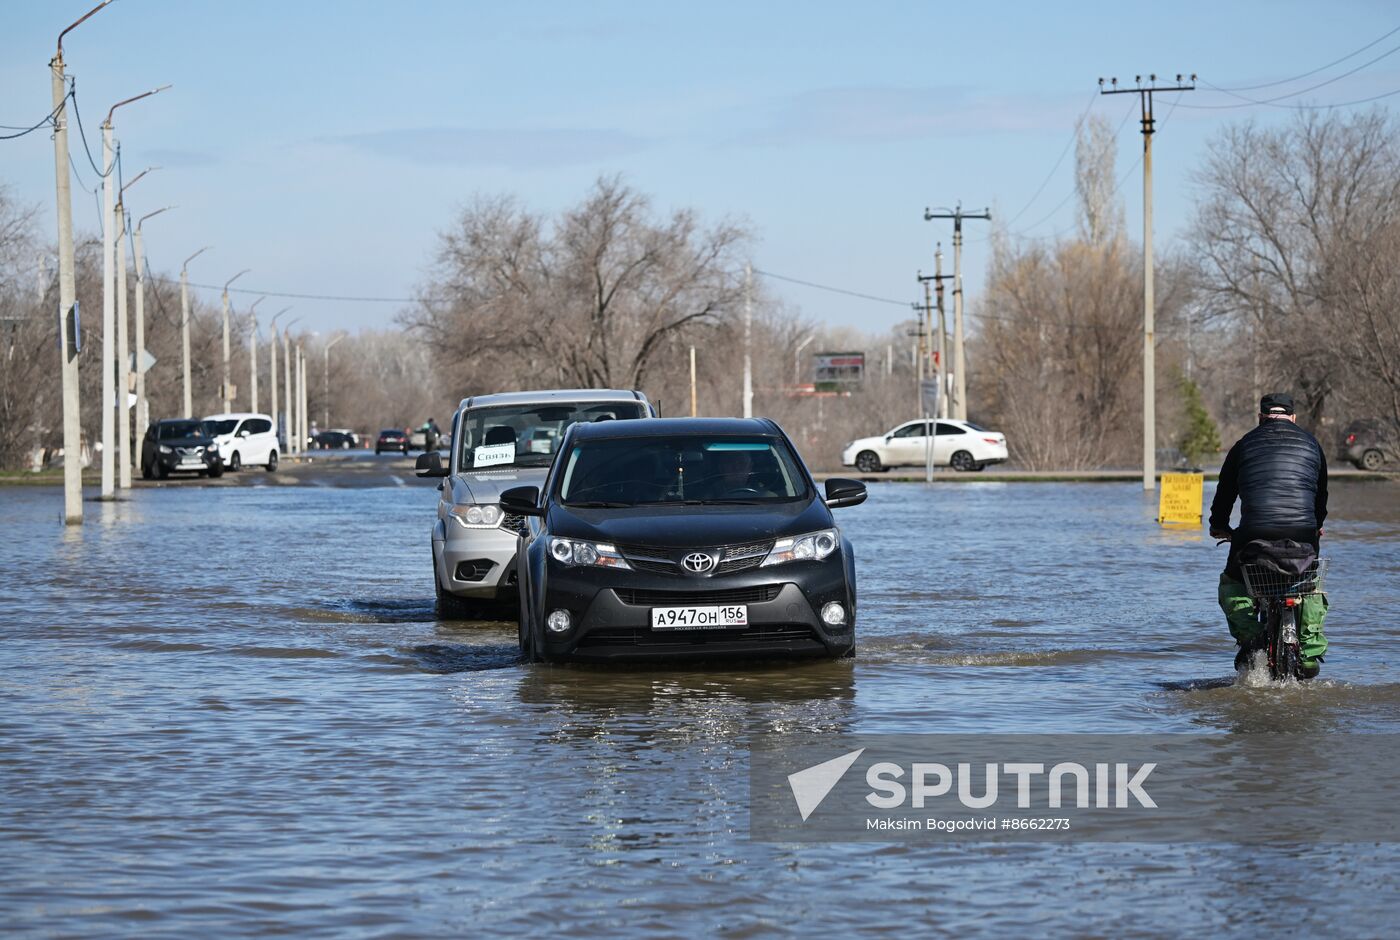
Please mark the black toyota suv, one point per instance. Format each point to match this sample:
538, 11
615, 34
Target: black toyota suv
683, 537
179, 445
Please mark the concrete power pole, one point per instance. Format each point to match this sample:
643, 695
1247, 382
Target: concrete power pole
959, 359
69, 326
303, 426
109, 387
185, 327
748, 340
943, 392
287, 387
253, 355
326, 383
226, 390
142, 405
123, 355
1149, 379
272, 381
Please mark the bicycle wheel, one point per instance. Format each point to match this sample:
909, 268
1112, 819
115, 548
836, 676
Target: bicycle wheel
1288, 642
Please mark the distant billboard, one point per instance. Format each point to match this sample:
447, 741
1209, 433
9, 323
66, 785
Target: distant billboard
837, 370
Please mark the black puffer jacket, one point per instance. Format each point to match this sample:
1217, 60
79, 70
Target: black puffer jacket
1279, 474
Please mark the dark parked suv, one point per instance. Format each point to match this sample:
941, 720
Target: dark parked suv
1371, 443
177, 445
683, 537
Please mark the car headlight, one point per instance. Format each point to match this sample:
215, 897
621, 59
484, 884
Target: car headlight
165, 449
596, 554
472, 516
813, 547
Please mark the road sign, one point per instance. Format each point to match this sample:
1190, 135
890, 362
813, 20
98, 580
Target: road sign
929, 388
145, 362
1180, 502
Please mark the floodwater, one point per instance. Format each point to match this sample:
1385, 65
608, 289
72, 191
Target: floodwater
232, 711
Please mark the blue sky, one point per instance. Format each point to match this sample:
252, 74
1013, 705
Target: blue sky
324, 145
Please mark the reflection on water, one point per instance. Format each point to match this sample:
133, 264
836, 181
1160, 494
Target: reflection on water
236, 707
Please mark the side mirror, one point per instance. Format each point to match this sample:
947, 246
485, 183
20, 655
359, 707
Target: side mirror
841, 493
889, 437
522, 501
243, 433
430, 465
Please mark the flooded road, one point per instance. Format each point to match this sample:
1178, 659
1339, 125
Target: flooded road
233, 711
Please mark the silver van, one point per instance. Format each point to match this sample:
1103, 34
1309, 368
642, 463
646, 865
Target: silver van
498, 442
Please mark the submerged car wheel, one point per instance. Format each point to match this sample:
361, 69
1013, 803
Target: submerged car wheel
235, 463
216, 471
1372, 460
272, 462
449, 605
868, 462
963, 461
146, 471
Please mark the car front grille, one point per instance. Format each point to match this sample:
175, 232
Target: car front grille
754, 595
514, 523
801, 638
739, 557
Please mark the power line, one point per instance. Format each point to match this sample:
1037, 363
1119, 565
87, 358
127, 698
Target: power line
78, 119
830, 289
1074, 135
1247, 102
298, 296
48, 119
1320, 68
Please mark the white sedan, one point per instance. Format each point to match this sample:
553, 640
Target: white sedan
961, 445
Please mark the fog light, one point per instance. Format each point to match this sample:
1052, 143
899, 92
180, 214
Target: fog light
558, 621
833, 614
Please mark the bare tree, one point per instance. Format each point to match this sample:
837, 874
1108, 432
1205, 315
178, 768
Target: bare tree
1096, 155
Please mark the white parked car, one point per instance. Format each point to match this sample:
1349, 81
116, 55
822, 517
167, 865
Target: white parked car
961, 445
244, 439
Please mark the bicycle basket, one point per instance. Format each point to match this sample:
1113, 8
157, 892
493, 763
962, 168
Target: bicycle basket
1265, 582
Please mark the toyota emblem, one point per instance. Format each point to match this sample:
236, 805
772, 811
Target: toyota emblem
698, 562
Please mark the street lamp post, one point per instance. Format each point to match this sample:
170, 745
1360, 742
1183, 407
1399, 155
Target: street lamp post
272, 380
253, 354
225, 391
109, 380
123, 342
797, 358
69, 340
326, 383
292, 410
142, 406
185, 326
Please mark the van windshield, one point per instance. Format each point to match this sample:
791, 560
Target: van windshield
527, 435
179, 430
225, 426
686, 469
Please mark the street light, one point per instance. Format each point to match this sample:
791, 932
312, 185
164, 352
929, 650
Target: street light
293, 445
185, 325
326, 382
253, 354
109, 373
124, 449
797, 357
272, 376
142, 418
226, 391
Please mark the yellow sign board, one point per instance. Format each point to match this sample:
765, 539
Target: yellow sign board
1181, 499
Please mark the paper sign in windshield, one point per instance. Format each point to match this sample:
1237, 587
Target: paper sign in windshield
491, 454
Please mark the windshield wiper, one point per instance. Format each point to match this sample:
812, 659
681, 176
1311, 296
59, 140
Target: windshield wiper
599, 504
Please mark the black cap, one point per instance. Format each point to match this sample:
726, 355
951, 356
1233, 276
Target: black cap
1276, 403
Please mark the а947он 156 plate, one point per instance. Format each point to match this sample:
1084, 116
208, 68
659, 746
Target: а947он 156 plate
699, 618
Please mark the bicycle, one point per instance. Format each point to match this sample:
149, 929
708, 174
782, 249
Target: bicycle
1278, 601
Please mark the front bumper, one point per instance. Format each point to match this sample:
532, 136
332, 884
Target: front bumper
175, 463
476, 563
611, 613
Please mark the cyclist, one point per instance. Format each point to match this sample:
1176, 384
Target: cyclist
1279, 474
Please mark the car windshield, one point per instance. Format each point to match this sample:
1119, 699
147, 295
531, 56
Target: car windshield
177, 430
391, 433
224, 426
687, 469
527, 435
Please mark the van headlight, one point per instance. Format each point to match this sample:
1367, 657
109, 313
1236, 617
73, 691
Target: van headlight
813, 547
165, 450
574, 552
472, 516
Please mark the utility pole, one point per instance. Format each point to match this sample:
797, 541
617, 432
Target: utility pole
943, 392
272, 381
253, 354
123, 353
326, 383
185, 326
303, 427
748, 340
1149, 380
292, 447
109, 388
693, 402
226, 390
70, 340
959, 359
142, 406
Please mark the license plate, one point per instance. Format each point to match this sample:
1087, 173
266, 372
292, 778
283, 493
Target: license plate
191, 462
698, 618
